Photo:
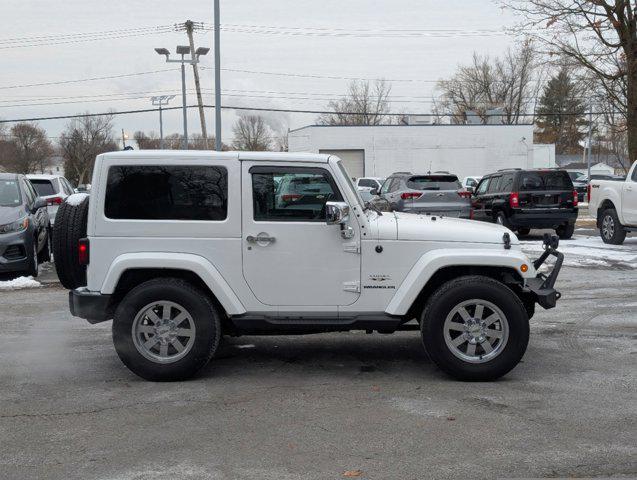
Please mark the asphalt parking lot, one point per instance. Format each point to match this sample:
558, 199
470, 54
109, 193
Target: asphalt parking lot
329, 406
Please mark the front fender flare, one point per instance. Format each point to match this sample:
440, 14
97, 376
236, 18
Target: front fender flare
176, 261
432, 261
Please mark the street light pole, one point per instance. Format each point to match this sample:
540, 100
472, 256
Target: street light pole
184, 105
193, 60
160, 101
217, 78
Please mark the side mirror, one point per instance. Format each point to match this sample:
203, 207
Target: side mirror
39, 203
470, 189
336, 212
373, 192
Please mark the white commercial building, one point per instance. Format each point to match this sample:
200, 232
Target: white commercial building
465, 150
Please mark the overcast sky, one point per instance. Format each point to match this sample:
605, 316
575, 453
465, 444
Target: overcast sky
411, 47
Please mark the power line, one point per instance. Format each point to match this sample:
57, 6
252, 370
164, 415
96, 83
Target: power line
62, 82
286, 110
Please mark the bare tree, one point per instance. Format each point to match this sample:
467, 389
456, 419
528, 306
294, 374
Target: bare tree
84, 139
174, 141
364, 104
598, 35
252, 134
509, 84
27, 149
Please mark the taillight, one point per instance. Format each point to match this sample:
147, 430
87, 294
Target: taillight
83, 251
514, 200
54, 201
464, 193
575, 199
410, 195
290, 197
588, 193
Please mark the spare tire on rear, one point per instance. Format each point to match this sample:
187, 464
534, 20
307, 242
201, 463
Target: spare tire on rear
69, 228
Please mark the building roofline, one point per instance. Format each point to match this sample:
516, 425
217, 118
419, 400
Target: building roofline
413, 126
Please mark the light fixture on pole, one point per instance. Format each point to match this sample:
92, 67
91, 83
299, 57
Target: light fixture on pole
193, 59
160, 101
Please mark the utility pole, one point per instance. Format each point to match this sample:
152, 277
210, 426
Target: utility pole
190, 26
217, 78
590, 139
160, 101
123, 140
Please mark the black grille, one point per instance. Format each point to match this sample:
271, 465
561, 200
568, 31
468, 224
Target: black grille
14, 252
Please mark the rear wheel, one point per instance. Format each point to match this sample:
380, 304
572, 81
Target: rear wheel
565, 231
501, 219
166, 330
45, 254
475, 328
611, 230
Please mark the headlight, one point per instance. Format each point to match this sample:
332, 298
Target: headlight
19, 226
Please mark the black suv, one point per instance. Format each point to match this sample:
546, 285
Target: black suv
524, 199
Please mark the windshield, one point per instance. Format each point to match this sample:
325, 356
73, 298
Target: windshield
9, 193
434, 182
350, 185
43, 187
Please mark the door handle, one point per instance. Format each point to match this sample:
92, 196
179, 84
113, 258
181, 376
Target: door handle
261, 239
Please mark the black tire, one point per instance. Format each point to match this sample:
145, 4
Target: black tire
33, 260
610, 229
565, 231
207, 325
45, 254
69, 228
523, 231
464, 289
501, 219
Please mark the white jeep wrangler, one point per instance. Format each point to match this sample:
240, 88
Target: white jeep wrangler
180, 248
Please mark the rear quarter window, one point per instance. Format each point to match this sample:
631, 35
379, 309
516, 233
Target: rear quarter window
166, 192
43, 187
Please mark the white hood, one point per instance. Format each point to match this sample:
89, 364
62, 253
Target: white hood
409, 226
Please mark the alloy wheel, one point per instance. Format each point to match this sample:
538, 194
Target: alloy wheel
163, 332
476, 331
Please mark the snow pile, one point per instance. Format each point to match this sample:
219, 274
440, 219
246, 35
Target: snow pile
19, 283
590, 252
76, 199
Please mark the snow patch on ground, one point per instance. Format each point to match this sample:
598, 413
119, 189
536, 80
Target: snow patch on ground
76, 199
590, 252
19, 283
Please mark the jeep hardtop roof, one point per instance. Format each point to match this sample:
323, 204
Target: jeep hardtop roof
198, 154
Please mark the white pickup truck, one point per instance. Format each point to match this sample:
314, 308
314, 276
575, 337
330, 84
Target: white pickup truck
615, 204
180, 248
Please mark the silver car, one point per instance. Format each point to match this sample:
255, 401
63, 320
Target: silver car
433, 194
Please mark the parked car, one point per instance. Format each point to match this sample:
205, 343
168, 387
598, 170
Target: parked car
525, 199
470, 183
615, 205
249, 268
434, 194
53, 188
580, 183
367, 184
24, 226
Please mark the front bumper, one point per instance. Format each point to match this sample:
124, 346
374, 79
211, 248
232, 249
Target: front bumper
92, 306
542, 286
12, 263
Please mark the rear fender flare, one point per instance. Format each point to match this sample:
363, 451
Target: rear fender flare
178, 261
428, 264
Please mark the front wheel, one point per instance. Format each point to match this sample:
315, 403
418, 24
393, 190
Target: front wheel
501, 219
475, 328
166, 330
611, 229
